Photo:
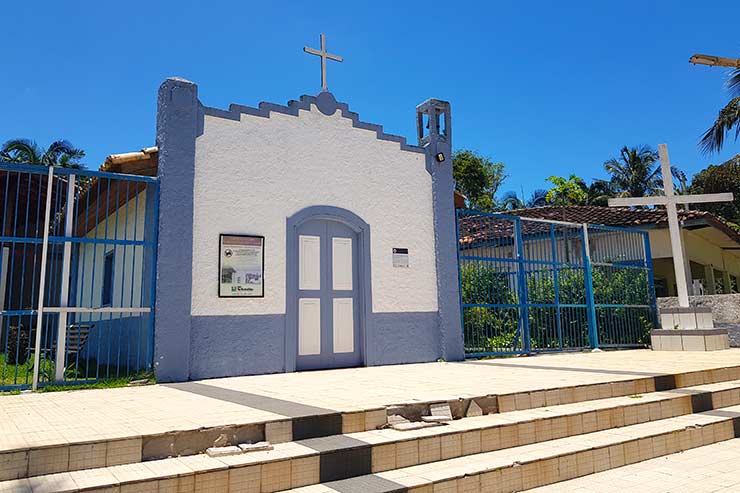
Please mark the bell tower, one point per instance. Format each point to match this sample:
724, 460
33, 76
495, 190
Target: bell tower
433, 123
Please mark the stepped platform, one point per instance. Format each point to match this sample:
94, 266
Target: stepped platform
538, 420
712, 468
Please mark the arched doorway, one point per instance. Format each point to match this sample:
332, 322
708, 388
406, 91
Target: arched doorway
328, 288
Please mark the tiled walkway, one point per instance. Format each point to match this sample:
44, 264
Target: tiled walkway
700, 470
30, 420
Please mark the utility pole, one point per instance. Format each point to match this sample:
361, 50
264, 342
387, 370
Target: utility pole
714, 61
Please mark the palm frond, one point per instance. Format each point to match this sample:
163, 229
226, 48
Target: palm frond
538, 198
728, 117
733, 84
23, 151
62, 149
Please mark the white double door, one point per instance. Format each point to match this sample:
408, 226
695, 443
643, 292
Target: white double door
327, 296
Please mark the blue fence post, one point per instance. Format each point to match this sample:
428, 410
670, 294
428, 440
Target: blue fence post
459, 276
593, 333
523, 295
556, 285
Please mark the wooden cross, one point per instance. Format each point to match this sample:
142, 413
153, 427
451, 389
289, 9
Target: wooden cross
670, 200
324, 55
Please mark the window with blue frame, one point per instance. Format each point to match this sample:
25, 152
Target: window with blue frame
109, 264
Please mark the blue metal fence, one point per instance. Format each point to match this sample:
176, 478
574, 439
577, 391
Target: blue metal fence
530, 285
77, 265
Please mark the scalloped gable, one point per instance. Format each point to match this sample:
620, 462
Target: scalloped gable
325, 102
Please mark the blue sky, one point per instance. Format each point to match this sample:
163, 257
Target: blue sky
546, 87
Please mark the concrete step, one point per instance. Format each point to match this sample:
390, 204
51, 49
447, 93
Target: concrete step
531, 466
24, 455
311, 461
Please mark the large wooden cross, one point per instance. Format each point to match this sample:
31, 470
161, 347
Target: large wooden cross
670, 200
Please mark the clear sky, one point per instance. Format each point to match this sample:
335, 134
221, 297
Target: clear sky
546, 87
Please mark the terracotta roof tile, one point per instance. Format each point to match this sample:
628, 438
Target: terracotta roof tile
473, 228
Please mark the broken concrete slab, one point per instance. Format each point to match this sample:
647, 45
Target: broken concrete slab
436, 419
223, 451
255, 447
473, 410
416, 425
395, 419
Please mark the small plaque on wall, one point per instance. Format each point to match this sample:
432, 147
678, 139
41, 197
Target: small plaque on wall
400, 257
241, 266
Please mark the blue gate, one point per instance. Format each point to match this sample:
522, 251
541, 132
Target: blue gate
77, 273
530, 285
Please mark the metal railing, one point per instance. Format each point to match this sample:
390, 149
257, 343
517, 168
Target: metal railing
531, 285
77, 258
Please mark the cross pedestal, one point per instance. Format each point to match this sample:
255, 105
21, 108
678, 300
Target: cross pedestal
686, 328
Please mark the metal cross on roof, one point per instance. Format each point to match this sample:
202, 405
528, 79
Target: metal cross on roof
669, 201
324, 55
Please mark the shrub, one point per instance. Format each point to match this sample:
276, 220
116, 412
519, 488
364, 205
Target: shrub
17, 348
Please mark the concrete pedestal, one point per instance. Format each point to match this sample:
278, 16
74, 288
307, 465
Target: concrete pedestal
693, 317
689, 340
688, 329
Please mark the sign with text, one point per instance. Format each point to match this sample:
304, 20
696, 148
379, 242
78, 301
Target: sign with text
400, 257
241, 266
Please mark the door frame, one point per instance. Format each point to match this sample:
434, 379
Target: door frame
364, 296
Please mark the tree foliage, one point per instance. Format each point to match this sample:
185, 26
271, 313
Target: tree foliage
511, 201
478, 178
635, 173
717, 179
492, 329
567, 191
727, 119
59, 153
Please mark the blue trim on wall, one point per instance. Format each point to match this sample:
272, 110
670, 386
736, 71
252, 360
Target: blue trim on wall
178, 123
233, 345
410, 337
325, 102
359, 226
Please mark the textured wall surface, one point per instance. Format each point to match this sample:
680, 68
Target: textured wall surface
250, 175
231, 345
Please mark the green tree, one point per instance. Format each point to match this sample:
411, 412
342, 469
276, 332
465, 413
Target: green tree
717, 179
727, 119
599, 192
59, 153
567, 191
635, 173
478, 178
574, 191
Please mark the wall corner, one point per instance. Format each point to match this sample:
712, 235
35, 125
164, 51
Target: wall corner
179, 122
434, 128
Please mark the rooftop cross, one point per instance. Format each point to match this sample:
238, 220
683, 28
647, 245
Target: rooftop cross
324, 55
670, 200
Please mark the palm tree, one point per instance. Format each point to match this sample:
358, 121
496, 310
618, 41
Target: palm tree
60, 153
599, 192
728, 117
635, 173
511, 200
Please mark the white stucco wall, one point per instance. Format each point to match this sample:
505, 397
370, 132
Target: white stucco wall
127, 223
250, 175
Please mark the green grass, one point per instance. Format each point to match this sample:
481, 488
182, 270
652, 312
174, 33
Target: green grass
46, 374
105, 383
23, 374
